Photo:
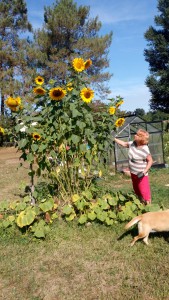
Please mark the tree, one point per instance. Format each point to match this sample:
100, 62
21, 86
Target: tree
13, 21
139, 112
157, 55
68, 32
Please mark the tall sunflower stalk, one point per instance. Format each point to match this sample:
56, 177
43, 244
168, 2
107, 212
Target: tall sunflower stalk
62, 133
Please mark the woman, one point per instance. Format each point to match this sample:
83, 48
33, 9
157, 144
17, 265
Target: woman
140, 161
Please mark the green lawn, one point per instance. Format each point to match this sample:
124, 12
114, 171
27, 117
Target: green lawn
92, 262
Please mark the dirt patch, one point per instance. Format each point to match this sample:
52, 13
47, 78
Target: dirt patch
12, 176
6, 153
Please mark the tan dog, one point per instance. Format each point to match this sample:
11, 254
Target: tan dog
150, 222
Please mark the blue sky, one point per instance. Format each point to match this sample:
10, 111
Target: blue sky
128, 20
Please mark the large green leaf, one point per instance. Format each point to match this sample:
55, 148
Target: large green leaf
101, 216
82, 219
67, 210
83, 148
40, 229
70, 217
87, 194
121, 216
80, 204
91, 216
6, 223
47, 205
21, 206
39, 232
121, 197
113, 201
112, 214
76, 162
153, 207
3, 205
109, 222
22, 143
76, 113
75, 139
30, 157
34, 147
81, 125
25, 218
42, 147
75, 197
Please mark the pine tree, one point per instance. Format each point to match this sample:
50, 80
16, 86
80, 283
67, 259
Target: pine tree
69, 32
157, 55
13, 21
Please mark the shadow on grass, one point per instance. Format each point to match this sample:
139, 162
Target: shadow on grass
134, 232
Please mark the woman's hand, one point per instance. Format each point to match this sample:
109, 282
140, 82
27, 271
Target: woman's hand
121, 143
149, 163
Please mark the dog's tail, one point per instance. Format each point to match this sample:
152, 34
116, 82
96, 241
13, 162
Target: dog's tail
133, 221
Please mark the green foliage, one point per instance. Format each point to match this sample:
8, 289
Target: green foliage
166, 146
108, 209
60, 136
157, 56
13, 21
34, 219
63, 37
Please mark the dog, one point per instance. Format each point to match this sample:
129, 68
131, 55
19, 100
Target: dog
149, 222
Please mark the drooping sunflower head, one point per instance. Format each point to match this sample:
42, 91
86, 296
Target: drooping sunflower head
2, 131
78, 64
39, 80
18, 100
57, 93
119, 122
36, 136
119, 103
112, 110
88, 63
39, 91
87, 95
70, 86
13, 103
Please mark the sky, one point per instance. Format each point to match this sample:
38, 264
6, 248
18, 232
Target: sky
128, 20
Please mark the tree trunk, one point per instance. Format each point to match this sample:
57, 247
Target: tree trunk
2, 105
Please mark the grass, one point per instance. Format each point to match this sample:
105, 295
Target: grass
91, 262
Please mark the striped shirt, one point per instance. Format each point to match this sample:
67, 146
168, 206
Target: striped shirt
137, 157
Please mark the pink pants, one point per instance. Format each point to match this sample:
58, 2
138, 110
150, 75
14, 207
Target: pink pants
141, 187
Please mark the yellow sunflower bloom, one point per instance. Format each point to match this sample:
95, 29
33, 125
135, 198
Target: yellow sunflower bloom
69, 86
87, 95
112, 110
119, 103
88, 63
39, 91
18, 100
57, 93
12, 103
36, 136
39, 80
119, 122
78, 64
100, 173
2, 131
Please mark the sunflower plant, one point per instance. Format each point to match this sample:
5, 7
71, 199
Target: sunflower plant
60, 135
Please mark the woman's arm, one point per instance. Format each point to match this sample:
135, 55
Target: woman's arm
121, 143
149, 163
